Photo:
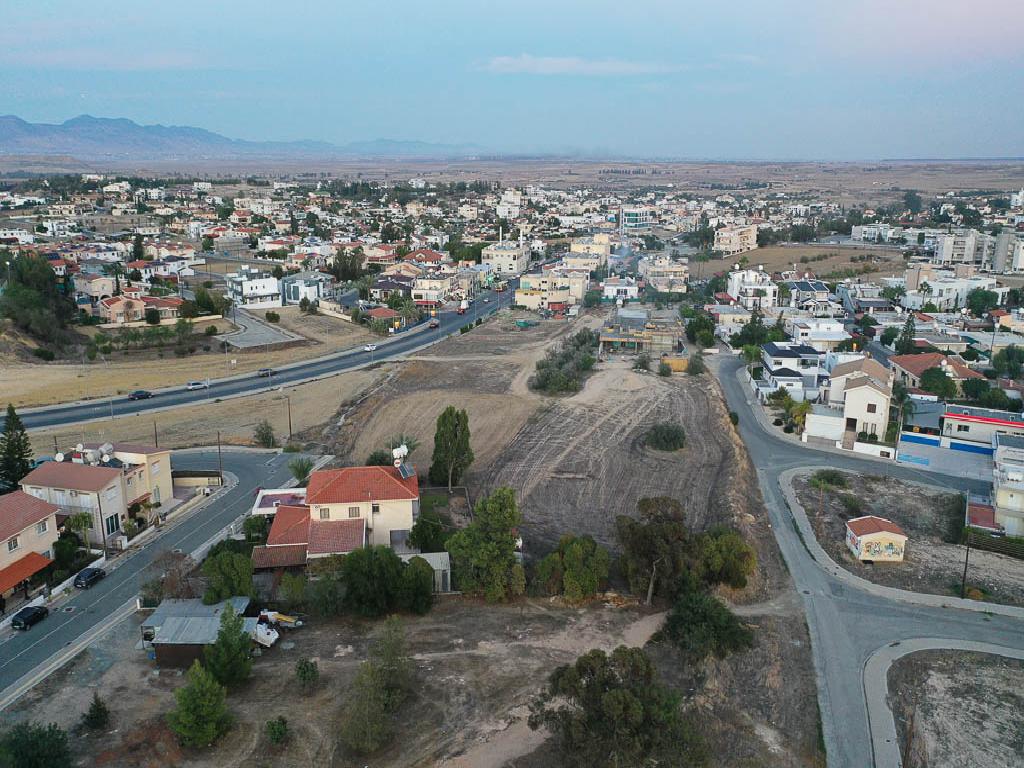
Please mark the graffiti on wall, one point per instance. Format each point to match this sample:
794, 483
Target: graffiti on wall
883, 549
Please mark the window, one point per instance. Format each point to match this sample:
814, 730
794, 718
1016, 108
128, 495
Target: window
963, 428
12, 544
353, 511
156, 468
375, 508
325, 513
113, 525
872, 408
41, 527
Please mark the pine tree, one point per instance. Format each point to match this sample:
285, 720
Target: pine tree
364, 723
97, 717
228, 658
905, 341
452, 452
201, 714
15, 452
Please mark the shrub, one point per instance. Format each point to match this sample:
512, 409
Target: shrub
562, 370
734, 418
416, 589
576, 569
211, 330
264, 435
642, 362
665, 437
97, 717
379, 458
31, 745
696, 364
273, 317
277, 730
307, 673
788, 429
832, 477
851, 504
862, 436
43, 354
777, 422
700, 625
664, 369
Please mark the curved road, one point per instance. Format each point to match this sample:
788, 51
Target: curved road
486, 305
848, 624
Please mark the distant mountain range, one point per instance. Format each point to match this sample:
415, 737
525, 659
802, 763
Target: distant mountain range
100, 138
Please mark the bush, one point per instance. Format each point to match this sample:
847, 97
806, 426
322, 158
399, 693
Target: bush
97, 717
43, 354
416, 589
273, 317
832, 477
734, 418
701, 625
30, 745
307, 673
577, 569
561, 371
277, 730
665, 437
777, 422
696, 365
211, 330
642, 362
264, 435
788, 429
851, 504
379, 458
664, 369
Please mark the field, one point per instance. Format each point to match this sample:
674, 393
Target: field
28, 383
928, 516
778, 258
965, 709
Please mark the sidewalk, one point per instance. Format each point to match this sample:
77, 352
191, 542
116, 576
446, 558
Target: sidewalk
890, 593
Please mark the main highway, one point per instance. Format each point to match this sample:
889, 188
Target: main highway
485, 305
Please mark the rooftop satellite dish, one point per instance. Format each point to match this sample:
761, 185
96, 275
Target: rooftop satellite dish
104, 458
59, 457
79, 447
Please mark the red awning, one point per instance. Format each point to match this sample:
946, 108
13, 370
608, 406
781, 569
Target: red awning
17, 572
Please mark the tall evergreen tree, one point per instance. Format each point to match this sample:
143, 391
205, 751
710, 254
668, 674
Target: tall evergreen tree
452, 452
905, 341
201, 715
15, 452
228, 658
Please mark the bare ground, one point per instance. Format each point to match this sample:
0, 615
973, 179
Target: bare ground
959, 708
779, 258
927, 515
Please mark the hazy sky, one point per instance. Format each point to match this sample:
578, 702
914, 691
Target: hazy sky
743, 79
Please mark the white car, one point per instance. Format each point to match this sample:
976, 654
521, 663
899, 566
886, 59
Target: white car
194, 385
370, 348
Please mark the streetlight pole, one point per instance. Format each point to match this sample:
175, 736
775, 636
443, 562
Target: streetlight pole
220, 459
288, 399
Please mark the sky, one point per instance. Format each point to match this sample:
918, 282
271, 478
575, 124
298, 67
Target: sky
786, 80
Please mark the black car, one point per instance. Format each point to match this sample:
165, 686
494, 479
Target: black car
89, 576
140, 394
26, 617
265, 372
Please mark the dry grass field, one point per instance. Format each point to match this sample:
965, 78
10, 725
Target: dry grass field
876, 262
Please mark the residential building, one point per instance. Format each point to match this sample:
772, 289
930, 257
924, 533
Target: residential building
386, 499
28, 530
310, 285
253, 288
736, 239
621, 289
1007, 483
875, 539
822, 335
146, 468
794, 367
664, 275
636, 217
805, 293
752, 288
95, 490
507, 258
123, 310
908, 369
656, 332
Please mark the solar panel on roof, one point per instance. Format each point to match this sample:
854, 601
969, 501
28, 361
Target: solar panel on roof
405, 471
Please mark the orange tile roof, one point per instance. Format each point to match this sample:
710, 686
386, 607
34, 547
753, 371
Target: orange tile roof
19, 510
862, 526
918, 364
67, 474
291, 526
352, 484
336, 537
286, 556
18, 571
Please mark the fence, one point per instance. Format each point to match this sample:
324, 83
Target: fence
1011, 546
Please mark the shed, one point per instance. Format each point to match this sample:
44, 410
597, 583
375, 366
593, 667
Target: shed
441, 562
180, 629
875, 539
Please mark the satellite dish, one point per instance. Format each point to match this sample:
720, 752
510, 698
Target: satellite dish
59, 457
397, 463
79, 447
104, 458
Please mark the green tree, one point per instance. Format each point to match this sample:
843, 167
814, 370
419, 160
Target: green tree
611, 711
292, 591
15, 451
1009, 361
264, 434
97, 716
577, 569
655, 547
372, 578
889, 335
138, 249
726, 558
912, 201
379, 458
430, 531
300, 469
938, 382
365, 726
228, 658
975, 388
35, 301
307, 673
905, 341
228, 574
30, 745
200, 715
452, 452
389, 653
152, 316
696, 365
642, 362
980, 301
484, 552
255, 528
416, 590
700, 625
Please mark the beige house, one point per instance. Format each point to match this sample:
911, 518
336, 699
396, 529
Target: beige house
736, 239
93, 286
844, 372
382, 497
510, 257
147, 471
875, 539
28, 530
866, 406
97, 491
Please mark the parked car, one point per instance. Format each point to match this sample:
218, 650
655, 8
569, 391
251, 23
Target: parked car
265, 372
434, 324
89, 576
140, 394
194, 385
26, 617
370, 348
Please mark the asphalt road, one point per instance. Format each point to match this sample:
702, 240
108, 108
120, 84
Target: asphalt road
847, 624
486, 304
23, 652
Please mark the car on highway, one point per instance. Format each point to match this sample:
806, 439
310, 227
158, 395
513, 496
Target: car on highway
192, 386
370, 348
140, 394
27, 617
88, 576
264, 373
487, 299
434, 324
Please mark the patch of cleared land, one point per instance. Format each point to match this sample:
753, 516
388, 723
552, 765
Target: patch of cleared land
965, 709
779, 258
929, 516
31, 383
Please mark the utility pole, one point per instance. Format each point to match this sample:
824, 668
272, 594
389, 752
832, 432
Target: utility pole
220, 459
56, 450
967, 559
289, 401
156, 440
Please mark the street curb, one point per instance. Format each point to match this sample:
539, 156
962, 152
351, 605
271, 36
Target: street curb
826, 563
885, 746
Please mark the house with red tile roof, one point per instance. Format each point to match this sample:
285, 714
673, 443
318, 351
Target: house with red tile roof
28, 530
908, 369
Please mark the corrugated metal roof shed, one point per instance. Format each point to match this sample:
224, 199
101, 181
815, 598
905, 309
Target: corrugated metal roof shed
194, 630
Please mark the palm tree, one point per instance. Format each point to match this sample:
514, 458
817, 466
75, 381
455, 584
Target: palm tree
904, 405
79, 523
408, 441
798, 413
751, 353
300, 469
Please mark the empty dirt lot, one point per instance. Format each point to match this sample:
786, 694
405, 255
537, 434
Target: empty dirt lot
779, 258
967, 709
927, 515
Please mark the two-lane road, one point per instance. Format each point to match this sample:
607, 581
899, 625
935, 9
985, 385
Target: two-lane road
485, 305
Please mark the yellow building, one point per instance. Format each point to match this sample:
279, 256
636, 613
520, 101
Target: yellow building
875, 539
28, 529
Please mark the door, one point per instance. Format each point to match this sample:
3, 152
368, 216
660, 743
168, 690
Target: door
851, 424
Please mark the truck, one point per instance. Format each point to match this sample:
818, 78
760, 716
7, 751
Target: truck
463, 306
501, 285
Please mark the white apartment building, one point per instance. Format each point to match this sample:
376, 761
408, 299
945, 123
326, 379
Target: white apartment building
752, 288
736, 239
253, 288
507, 258
950, 293
636, 217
